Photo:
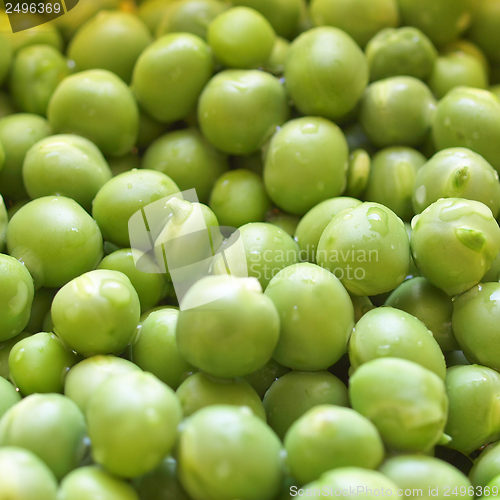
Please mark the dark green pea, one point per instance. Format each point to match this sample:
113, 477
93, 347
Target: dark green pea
262, 379
6, 105
485, 30
6, 53
487, 465
401, 51
358, 173
36, 72
392, 179
44, 34
42, 301
149, 130
284, 221
188, 159
430, 305
456, 358
294, 393
493, 274
121, 164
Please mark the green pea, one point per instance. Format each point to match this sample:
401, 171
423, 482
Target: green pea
314, 222
67, 165
49, 425
397, 111
487, 465
427, 477
36, 72
110, 40
454, 242
325, 73
23, 476
305, 164
401, 51
456, 358
464, 46
316, 317
472, 427
357, 139
430, 305
39, 363
8, 397
455, 70
226, 326
16, 294
5, 57
42, 301
276, 62
358, 242
392, 179
165, 98
136, 405
151, 12
190, 16
441, 21
44, 34
227, 452
284, 15
6, 105
96, 313
86, 377
461, 114
188, 159
262, 379
155, 349
161, 484
239, 110
361, 305
484, 28
124, 195
284, 221
55, 238
199, 391
18, 132
388, 332
328, 437
457, 173
358, 173
361, 20
353, 482
150, 287
5, 348
294, 393
99, 106
406, 402
149, 130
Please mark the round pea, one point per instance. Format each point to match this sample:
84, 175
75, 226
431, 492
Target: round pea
431, 476
262, 378
389, 332
8, 396
314, 222
97, 312
124, 195
188, 159
487, 465
316, 317
461, 114
325, 73
16, 295
170, 75
401, 51
358, 173
24, 477
85, 378
397, 111
454, 242
199, 391
357, 244
152, 12
39, 363
55, 238
49, 425
305, 164
111, 40
18, 132
294, 393
5, 348
328, 437
241, 38
484, 28
226, 452
65, 165
464, 46
226, 326
457, 173
93, 482
284, 221
232, 187
392, 179
149, 130
361, 19
98, 105
276, 62
136, 405
155, 349
406, 402
239, 110
430, 305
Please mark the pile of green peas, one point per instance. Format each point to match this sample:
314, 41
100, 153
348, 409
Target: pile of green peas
355, 147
